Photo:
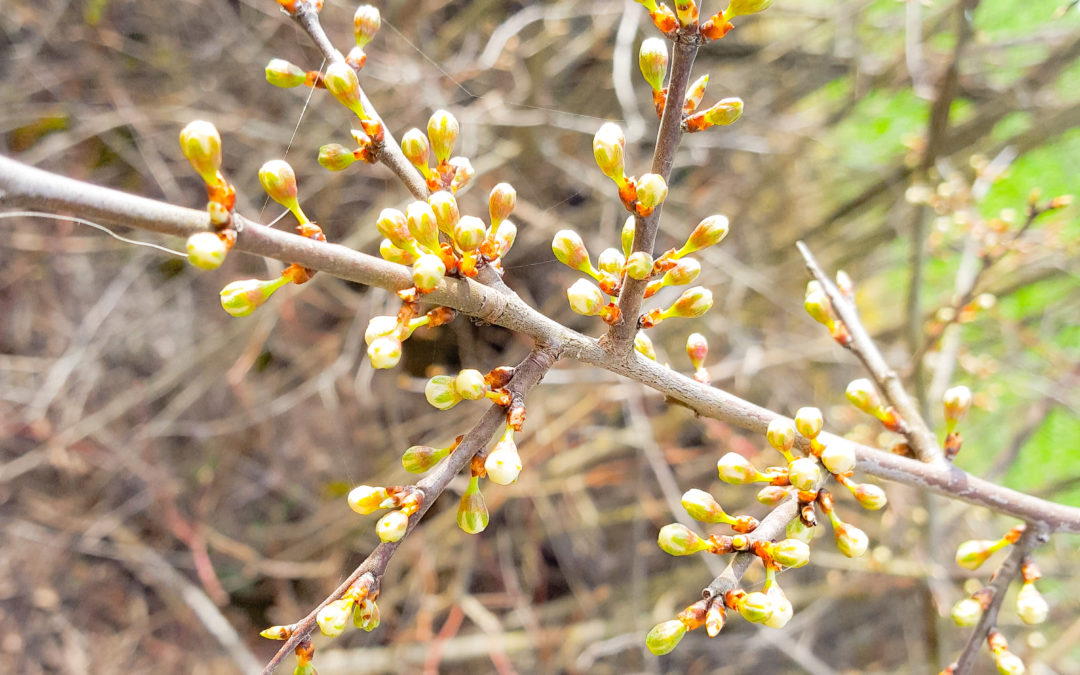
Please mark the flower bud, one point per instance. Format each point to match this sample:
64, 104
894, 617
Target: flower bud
335, 157
838, 457
724, 112
279, 180
850, 540
1008, 663
644, 346
281, 73
819, 308
697, 348
966, 612
804, 473
341, 81
569, 249
771, 495
393, 225
796, 529
973, 553
701, 506
420, 458
201, 144
611, 261
420, 219
427, 272
392, 526
470, 233
503, 464
356, 58
333, 618
443, 131
737, 470
639, 265
664, 637
863, 396
1030, 604
365, 499
709, 232
380, 326
501, 202
626, 235
414, 145
957, 401
678, 539
743, 7
870, 496
653, 59
608, 148
585, 298
756, 607
384, 352
440, 392
505, 237
470, 385
809, 422
691, 304
472, 513
206, 250
240, 298
781, 434
396, 255
366, 615
782, 609
366, 22
445, 207
278, 632
463, 173
684, 272
790, 552
651, 192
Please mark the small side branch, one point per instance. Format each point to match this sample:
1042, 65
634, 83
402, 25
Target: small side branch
771, 528
919, 435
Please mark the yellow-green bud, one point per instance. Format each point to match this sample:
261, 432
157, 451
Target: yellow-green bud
957, 401
609, 145
697, 348
420, 458
334, 617
796, 529
503, 464
838, 457
281, 73
715, 618
384, 352
445, 207
678, 539
470, 385
790, 552
279, 180
440, 392
396, 255
206, 250
201, 144
336, 157
626, 235
709, 232
366, 615
804, 473
422, 225
850, 540
505, 236
819, 308
639, 265
427, 272
463, 172
809, 421
392, 526
585, 298
973, 553
724, 112
1030, 604
366, 22
443, 131
611, 261
781, 434
1008, 663
341, 81
653, 59
691, 304
863, 396
684, 272
771, 495
870, 496
380, 326
651, 191
966, 612
737, 470
501, 202
393, 225
644, 346
414, 145
240, 298
743, 7
701, 505
664, 637
470, 233
756, 607
472, 513
782, 609
365, 499
219, 213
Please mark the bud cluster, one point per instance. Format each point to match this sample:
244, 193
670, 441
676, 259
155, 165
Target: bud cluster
405, 500
200, 143
446, 391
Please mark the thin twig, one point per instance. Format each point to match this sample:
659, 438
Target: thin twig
528, 373
919, 435
771, 528
1034, 535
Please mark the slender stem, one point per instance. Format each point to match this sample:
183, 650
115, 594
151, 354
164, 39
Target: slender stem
620, 337
25, 186
528, 373
1034, 535
918, 433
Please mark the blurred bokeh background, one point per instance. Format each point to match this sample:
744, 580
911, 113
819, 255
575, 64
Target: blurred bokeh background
172, 480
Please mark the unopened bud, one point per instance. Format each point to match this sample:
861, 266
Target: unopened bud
201, 144
240, 298
651, 192
365, 499
505, 236
639, 265
366, 22
422, 225
585, 298
782, 609
278, 632
743, 7
470, 384
503, 464
206, 250
678, 539
781, 434
611, 261
804, 473
724, 112
608, 148
279, 180
850, 540
691, 304
569, 249
644, 346
957, 401
687, 12
870, 496
384, 352
808, 421
838, 457
664, 637
697, 348
445, 207
694, 93
472, 513
626, 236
756, 607
790, 552
967, 612
366, 615
737, 470
796, 529
392, 526
441, 393
341, 81
282, 73
443, 131
380, 326
463, 173
819, 308
862, 395
501, 202
335, 157
420, 458
701, 506
653, 59
334, 617
414, 145
1030, 604
469, 233
709, 232
771, 495
715, 618
427, 272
